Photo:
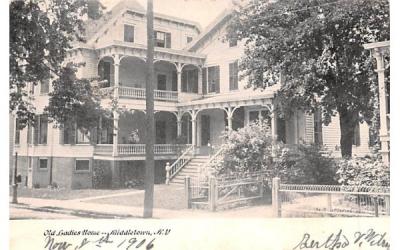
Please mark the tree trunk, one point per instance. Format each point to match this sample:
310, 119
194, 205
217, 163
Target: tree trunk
348, 121
150, 135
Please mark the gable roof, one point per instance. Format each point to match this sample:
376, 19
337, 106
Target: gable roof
211, 29
94, 27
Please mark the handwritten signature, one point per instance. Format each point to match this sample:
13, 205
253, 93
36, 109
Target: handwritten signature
127, 243
340, 240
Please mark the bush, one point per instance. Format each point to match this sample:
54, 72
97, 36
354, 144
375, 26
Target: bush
365, 171
304, 164
252, 149
246, 150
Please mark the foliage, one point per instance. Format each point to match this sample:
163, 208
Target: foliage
74, 100
41, 32
101, 176
316, 47
304, 164
252, 149
248, 149
366, 171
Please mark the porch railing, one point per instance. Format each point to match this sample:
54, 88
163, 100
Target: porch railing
140, 149
140, 93
214, 160
183, 159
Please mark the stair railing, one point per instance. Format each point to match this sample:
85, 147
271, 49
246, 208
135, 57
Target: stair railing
205, 169
183, 159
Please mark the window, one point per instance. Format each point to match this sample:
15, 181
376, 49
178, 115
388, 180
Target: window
356, 136
318, 140
43, 164
17, 132
161, 82
253, 116
213, 79
233, 76
105, 73
232, 42
39, 130
69, 131
189, 39
162, 39
82, 165
129, 33
44, 86
82, 137
43, 126
190, 81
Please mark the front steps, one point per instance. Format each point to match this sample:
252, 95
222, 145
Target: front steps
191, 169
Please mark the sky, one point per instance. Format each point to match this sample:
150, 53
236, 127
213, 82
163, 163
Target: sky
201, 11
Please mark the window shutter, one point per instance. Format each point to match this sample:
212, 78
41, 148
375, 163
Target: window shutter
36, 130
168, 40
174, 81
93, 136
61, 136
204, 82
195, 84
217, 79
73, 132
184, 81
309, 128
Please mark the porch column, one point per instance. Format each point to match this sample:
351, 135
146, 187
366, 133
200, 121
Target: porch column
274, 130
116, 79
200, 80
115, 134
179, 79
229, 117
194, 121
384, 136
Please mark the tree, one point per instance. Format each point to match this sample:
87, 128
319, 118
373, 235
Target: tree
41, 32
316, 49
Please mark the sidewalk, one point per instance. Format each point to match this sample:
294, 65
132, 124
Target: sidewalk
95, 210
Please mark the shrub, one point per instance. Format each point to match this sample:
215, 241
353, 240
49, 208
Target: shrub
365, 171
247, 149
304, 164
252, 149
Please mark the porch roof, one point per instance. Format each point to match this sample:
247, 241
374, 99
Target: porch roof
235, 99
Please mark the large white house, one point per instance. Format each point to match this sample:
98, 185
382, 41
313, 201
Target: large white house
198, 95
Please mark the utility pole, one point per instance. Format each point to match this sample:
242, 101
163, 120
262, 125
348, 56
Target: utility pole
150, 135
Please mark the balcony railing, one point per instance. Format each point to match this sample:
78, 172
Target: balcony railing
140, 93
140, 149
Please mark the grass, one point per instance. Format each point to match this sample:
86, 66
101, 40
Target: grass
64, 194
166, 197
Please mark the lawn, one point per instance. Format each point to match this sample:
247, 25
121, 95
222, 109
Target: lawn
64, 194
165, 196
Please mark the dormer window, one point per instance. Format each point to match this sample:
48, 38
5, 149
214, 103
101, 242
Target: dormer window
129, 33
162, 39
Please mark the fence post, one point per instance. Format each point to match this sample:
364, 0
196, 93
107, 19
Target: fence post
276, 201
376, 206
188, 192
387, 205
212, 196
329, 201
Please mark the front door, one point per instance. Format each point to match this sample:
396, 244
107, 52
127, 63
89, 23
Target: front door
161, 82
205, 130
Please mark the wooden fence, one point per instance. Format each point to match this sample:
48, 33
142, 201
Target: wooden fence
219, 193
291, 200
